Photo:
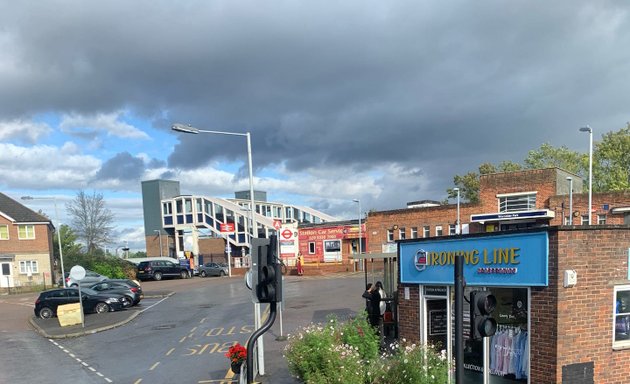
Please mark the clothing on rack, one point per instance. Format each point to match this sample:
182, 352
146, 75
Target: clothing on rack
508, 351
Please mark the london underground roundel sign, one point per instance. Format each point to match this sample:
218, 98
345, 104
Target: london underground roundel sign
287, 233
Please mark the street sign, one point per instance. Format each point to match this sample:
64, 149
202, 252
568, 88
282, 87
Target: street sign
277, 224
77, 272
287, 233
227, 228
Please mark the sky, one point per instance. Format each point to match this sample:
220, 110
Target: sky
384, 102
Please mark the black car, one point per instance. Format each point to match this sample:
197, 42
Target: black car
157, 269
93, 302
130, 290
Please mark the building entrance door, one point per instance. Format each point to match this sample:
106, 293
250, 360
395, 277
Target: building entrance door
6, 277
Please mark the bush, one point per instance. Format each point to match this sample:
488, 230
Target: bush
109, 266
348, 352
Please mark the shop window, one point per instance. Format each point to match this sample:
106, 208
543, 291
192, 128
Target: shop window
401, 234
28, 266
390, 236
26, 232
452, 229
4, 232
438, 230
414, 232
515, 202
585, 220
621, 321
311, 248
601, 219
426, 231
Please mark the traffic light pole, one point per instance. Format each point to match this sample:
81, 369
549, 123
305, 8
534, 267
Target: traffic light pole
252, 341
459, 319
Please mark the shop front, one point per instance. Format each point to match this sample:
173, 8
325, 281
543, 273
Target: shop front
506, 265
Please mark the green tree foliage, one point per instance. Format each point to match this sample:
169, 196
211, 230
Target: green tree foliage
611, 161
91, 220
548, 156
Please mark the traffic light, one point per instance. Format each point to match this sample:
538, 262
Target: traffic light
267, 274
482, 304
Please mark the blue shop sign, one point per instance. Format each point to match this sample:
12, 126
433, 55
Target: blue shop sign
500, 260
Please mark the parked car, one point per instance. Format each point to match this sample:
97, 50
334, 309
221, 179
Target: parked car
89, 279
48, 301
158, 269
130, 290
213, 269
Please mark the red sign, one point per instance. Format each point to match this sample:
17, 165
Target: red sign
227, 227
287, 233
277, 224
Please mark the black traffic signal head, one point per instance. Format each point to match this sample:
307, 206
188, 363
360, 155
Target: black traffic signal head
482, 304
267, 275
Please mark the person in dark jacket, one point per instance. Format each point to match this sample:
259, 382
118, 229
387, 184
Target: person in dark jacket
373, 303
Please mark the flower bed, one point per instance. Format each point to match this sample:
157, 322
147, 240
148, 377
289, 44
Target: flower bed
348, 353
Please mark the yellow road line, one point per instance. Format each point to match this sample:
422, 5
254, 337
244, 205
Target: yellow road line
170, 351
154, 366
182, 339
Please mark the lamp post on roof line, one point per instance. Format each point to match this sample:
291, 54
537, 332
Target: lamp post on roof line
590, 172
54, 199
570, 180
358, 201
459, 226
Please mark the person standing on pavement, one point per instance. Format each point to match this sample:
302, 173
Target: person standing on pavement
300, 264
373, 303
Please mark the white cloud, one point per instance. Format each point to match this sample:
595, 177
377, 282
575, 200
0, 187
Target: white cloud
108, 122
24, 130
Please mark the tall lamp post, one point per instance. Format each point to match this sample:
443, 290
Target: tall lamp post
570, 179
361, 240
459, 226
590, 172
188, 129
159, 234
54, 199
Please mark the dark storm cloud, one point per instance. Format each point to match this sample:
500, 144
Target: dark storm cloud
357, 83
123, 167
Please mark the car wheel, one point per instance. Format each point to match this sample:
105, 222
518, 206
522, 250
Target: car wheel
74, 285
203, 274
45, 313
157, 276
222, 273
127, 301
101, 308
184, 274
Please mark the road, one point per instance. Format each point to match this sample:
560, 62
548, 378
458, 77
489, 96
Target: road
180, 339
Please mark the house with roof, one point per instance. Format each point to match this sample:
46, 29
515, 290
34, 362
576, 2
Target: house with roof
26, 246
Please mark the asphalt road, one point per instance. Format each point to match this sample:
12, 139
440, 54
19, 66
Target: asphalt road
179, 339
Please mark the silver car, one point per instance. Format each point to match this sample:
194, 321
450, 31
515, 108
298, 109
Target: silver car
213, 269
89, 279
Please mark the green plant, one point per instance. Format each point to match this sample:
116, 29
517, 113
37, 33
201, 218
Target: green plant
410, 363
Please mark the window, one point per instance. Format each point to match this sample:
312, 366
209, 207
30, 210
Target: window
566, 220
601, 219
414, 232
332, 246
390, 235
451, 229
167, 209
401, 234
426, 231
26, 232
438, 230
4, 232
621, 322
585, 220
28, 266
311, 248
514, 202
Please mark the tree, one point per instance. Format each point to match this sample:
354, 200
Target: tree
611, 161
547, 156
91, 220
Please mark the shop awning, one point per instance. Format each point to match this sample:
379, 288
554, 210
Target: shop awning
374, 256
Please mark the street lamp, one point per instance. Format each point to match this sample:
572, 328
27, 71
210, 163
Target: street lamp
193, 130
458, 227
361, 240
590, 171
159, 234
570, 179
54, 199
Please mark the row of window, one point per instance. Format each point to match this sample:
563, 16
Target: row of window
25, 232
426, 232
601, 220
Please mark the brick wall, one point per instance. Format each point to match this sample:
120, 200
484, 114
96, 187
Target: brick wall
409, 313
41, 243
560, 204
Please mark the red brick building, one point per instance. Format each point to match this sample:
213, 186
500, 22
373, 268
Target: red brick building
26, 255
563, 291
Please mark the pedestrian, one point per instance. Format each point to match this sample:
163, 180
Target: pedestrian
300, 264
383, 304
373, 304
